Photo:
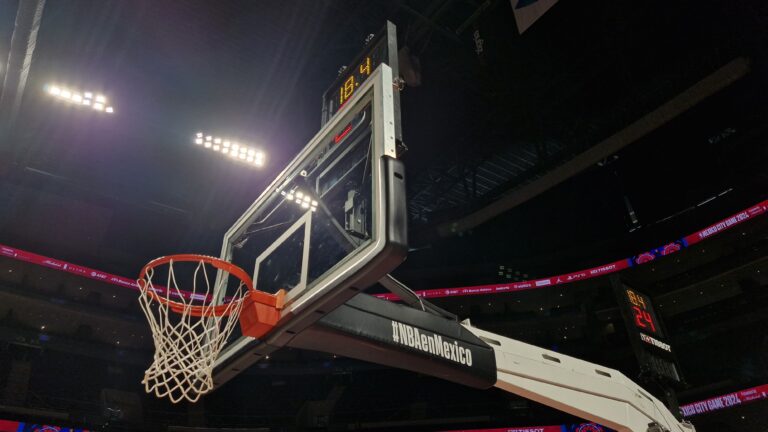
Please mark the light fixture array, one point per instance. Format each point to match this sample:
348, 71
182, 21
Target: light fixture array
86, 99
232, 149
305, 201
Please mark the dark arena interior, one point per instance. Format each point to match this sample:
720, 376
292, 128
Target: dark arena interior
587, 177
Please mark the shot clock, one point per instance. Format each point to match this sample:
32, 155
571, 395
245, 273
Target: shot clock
381, 48
646, 332
353, 82
642, 311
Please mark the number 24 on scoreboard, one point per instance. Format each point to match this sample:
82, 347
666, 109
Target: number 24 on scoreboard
643, 318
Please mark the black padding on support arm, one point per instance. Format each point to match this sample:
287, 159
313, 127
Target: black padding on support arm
386, 333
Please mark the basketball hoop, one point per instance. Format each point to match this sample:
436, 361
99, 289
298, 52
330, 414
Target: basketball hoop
188, 327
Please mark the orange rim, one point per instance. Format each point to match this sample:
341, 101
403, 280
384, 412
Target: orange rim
181, 308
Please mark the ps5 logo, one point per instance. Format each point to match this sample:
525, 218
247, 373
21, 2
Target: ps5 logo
431, 343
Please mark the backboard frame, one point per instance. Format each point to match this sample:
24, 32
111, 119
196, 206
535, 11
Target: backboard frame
387, 248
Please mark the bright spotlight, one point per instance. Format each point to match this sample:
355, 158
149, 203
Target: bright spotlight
233, 149
303, 200
82, 99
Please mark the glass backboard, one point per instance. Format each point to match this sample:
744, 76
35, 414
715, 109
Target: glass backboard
330, 225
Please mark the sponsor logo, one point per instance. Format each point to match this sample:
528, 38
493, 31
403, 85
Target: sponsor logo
431, 343
52, 263
98, 275
576, 276
604, 269
123, 282
543, 282
8, 251
655, 342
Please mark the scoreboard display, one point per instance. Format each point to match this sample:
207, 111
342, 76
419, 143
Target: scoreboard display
646, 332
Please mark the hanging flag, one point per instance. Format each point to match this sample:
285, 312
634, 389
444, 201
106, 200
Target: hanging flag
528, 11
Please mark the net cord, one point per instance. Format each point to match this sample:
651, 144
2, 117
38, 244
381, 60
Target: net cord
186, 341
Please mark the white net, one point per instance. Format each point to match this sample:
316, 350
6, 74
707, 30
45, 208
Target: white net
188, 330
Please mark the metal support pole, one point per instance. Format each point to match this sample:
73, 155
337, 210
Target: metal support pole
23, 44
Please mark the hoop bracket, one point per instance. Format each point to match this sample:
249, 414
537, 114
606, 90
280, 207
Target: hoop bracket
260, 312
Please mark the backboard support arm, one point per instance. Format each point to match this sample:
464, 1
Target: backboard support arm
395, 335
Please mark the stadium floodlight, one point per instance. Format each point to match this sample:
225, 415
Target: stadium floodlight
301, 199
233, 149
80, 99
